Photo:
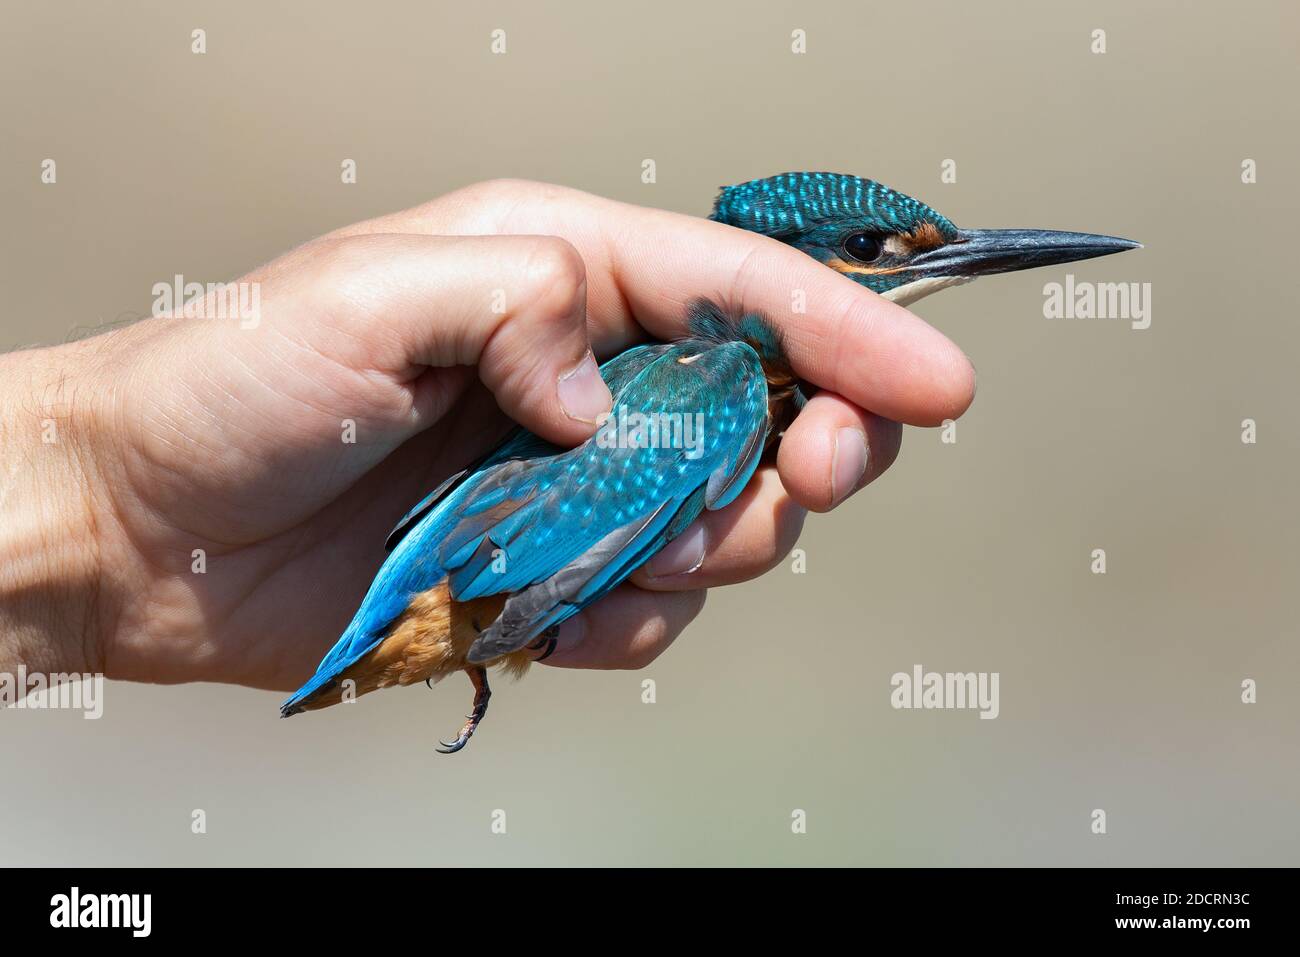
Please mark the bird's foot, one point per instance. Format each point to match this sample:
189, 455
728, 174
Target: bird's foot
547, 640
481, 695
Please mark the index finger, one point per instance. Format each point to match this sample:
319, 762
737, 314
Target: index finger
846, 339
645, 265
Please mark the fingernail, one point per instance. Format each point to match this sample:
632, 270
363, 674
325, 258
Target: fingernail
583, 393
682, 555
848, 464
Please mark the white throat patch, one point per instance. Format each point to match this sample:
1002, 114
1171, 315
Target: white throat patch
912, 291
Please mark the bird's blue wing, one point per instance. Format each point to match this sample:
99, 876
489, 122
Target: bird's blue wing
413, 566
522, 444
519, 444
557, 534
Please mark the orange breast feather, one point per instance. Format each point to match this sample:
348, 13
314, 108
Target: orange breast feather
429, 640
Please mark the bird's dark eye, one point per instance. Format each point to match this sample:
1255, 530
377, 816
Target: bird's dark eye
863, 247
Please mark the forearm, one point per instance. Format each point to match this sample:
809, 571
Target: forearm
50, 579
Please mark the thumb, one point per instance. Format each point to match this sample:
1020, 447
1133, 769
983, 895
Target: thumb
513, 306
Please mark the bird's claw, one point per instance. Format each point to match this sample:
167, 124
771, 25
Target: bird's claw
548, 639
544, 637
451, 747
481, 695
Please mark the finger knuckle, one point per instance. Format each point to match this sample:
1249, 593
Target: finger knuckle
498, 200
505, 186
555, 279
334, 253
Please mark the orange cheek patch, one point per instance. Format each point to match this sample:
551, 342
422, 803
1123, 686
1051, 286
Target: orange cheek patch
926, 236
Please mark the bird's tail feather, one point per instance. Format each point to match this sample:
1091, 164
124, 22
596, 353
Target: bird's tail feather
326, 676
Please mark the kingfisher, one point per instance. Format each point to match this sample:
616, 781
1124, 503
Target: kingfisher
486, 567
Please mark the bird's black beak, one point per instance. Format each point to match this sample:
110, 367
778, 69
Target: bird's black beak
982, 252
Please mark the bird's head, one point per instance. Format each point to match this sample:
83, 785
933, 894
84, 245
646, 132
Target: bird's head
889, 242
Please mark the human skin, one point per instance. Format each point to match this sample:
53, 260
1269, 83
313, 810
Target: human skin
126, 454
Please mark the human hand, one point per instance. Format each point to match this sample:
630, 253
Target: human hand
180, 437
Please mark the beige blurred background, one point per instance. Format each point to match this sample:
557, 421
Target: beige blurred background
1120, 691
